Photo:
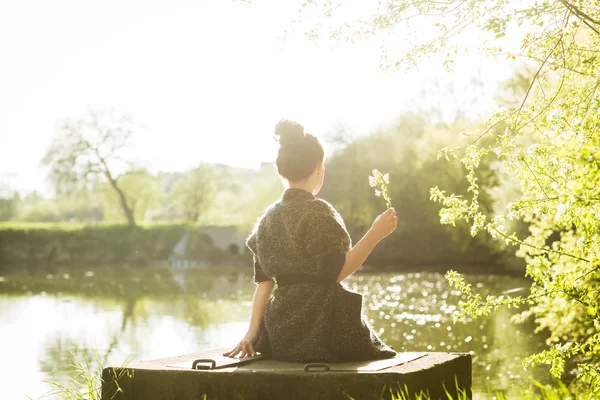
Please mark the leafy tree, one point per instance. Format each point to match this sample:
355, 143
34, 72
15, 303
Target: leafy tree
45, 210
262, 188
9, 207
550, 145
194, 192
83, 206
166, 209
407, 150
245, 196
139, 188
91, 149
9, 199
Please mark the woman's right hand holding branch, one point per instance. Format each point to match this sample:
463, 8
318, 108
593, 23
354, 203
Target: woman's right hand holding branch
385, 223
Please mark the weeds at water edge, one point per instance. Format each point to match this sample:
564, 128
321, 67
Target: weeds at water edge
85, 380
558, 391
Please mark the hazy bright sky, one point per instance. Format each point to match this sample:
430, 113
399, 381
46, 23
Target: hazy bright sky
205, 80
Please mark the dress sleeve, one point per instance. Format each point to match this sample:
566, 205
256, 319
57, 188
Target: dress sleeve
259, 274
326, 238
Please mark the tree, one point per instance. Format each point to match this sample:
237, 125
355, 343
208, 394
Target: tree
9, 199
83, 206
140, 190
407, 150
9, 207
244, 198
194, 191
90, 149
550, 145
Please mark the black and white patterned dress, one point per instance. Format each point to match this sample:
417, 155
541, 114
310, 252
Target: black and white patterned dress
319, 319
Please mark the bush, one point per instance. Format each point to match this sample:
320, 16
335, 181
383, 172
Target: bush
65, 245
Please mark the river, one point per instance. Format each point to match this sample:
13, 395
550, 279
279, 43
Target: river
112, 314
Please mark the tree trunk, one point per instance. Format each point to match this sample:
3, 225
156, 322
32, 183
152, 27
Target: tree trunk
126, 209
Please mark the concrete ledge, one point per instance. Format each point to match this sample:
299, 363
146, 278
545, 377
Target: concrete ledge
435, 373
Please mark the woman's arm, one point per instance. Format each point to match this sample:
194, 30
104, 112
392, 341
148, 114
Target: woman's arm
384, 225
263, 293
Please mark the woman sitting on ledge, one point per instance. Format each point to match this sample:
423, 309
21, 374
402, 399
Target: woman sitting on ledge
301, 244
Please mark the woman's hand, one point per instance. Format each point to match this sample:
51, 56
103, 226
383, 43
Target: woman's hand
244, 347
385, 223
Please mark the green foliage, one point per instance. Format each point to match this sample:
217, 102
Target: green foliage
70, 226
88, 245
208, 195
542, 392
86, 382
194, 192
80, 206
407, 150
48, 246
550, 145
243, 196
9, 207
381, 183
89, 150
141, 192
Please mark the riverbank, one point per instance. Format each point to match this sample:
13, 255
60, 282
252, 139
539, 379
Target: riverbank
47, 247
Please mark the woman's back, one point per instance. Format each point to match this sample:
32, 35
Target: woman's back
299, 234
301, 243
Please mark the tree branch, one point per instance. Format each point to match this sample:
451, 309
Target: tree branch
521, 242
585, 18
588, 272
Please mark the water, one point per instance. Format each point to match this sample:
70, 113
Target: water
110, 314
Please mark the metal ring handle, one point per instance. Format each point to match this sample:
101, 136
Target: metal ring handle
325, 366
196, 364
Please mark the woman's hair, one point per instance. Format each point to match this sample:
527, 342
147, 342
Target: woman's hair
299, 152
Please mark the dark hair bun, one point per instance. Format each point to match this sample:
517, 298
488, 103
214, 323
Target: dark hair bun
289, 132
299, 152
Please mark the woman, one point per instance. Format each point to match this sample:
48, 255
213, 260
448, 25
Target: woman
301, 244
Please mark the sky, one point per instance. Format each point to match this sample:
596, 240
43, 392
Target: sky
204, 80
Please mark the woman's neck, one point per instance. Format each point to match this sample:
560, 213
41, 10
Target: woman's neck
301, 185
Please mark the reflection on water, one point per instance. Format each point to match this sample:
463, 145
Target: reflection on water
413, 312
145, 314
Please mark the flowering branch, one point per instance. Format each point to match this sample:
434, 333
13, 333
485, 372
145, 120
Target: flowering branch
381, 184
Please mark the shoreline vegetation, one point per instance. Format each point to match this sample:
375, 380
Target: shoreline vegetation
167, 204
47, 247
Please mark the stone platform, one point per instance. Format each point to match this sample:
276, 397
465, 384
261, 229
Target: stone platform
432, 373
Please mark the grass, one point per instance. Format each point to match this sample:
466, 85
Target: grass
71, 226
85, 381
559, 391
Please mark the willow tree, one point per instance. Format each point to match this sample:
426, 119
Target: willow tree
91, 149
550, 144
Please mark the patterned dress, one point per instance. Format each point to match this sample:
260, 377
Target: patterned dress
312, 321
